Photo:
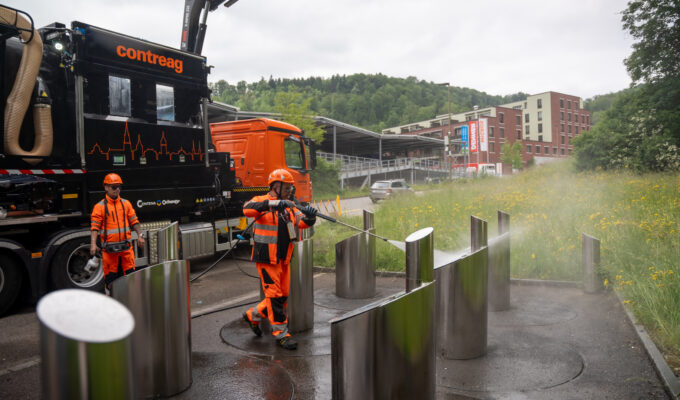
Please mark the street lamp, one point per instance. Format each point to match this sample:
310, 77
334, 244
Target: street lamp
447, 141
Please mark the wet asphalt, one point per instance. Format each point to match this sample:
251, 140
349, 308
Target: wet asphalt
555, 342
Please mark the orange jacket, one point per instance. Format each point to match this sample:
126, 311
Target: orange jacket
266, 229
120, 218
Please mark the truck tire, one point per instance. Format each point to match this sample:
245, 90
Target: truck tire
68, 267
10, 282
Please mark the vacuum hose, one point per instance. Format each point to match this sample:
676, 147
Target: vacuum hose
20, 96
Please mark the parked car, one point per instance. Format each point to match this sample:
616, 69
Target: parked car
381, 190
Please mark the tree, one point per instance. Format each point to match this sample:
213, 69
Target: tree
656, 26
512, 154
295, 109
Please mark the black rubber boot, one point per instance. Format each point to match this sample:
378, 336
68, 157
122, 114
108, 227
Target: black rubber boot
287, 343
256, 328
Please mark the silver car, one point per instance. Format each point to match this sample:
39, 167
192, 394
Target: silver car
381, 190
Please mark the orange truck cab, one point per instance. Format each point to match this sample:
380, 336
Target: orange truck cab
259, 146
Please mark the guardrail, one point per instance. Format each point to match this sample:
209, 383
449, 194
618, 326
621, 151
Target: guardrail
353, 163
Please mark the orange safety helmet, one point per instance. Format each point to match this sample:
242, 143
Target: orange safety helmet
112, 179
280, 175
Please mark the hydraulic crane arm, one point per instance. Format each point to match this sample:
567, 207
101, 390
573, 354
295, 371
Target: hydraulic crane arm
193, 31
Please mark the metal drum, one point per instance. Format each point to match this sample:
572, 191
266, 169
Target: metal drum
461, 300
385, 350
301, 294
590, 260
158, 297
85, 343
499, 266
355, 263
419, 258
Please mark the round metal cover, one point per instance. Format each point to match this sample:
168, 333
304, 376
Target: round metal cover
518, 361
314, 342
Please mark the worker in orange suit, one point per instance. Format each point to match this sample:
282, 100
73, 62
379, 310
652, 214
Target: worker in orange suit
276, 218
112, 220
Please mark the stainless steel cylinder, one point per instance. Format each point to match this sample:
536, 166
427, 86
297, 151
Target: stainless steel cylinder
158, 297
590, 260
503, 222
355, 264
478, 233
85, 343
385, 350
461, 306
419, 258
369, 221
499, 266
167, 243
301, 294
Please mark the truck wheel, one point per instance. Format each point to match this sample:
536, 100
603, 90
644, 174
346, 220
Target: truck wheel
10, 282
68, 267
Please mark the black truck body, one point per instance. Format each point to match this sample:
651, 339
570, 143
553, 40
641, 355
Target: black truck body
118, 104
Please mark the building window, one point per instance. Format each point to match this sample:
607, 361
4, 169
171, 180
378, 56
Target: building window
491, 131
569, 117
561, 115
576, 130
540, 128
165, 103
119, 96
538, 149
525, 105
561, 103
546, 150
502, 132
519, 134
526, 118
562, 139
569, 104
583, 119
518, 120
562, 127
554, 151
526, 129
501, 118
491, 147
539, 103
562, 151
540, 115
569, 128
528, 148
540, 138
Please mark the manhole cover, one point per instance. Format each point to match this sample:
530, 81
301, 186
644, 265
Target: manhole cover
314, 342
519, 361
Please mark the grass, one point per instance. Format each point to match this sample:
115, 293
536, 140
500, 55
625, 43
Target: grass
635, 217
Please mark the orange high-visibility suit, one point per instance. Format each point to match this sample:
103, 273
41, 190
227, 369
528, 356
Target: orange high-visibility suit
272, 250
114, 226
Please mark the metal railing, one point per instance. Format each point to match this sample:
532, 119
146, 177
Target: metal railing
354, 164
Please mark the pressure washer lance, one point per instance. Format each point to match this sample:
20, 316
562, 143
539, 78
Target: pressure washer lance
331, 219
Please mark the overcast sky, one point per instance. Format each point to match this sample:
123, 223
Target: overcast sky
497, 46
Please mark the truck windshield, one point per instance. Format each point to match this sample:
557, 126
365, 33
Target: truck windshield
295, 156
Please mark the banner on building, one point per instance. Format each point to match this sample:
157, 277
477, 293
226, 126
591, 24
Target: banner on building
483, 134
473, 136
464, 138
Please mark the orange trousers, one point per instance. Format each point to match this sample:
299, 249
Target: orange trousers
116, 265
275, 280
